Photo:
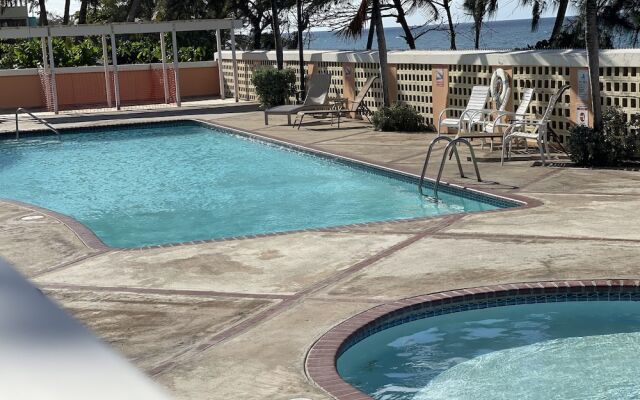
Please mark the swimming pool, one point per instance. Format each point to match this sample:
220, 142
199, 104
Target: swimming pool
155, 184
565, 347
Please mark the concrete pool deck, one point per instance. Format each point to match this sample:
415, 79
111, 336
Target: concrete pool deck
235, 319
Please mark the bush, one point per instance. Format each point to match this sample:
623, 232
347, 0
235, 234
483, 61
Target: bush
398, 118
273, 86
616, 143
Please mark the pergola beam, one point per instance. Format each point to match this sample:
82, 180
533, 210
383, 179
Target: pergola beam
26, 32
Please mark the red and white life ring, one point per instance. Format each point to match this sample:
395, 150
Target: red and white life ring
500, 87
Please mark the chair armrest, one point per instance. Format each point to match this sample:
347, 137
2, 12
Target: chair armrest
450, 109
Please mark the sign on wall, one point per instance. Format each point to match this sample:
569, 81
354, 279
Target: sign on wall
582, 115
440, 77
583, 84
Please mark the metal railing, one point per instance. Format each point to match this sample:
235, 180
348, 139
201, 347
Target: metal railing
22, 110
451, 147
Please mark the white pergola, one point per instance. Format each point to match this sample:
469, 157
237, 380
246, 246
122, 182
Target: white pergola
46, 33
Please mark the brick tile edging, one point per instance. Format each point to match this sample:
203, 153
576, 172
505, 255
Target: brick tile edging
320, 363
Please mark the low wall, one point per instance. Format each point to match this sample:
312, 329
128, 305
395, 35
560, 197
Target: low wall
85, 86
432, 80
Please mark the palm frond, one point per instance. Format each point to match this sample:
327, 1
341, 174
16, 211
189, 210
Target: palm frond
357, 23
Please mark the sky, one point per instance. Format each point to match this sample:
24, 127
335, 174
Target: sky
507, 10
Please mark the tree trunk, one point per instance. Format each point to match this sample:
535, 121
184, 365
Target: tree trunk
133, 11
382, 53
67, 5
477, 26
43, 13
256, 33
593, 48
557, 26
82, 15
275, 24
402, 20
372, 31
300, 45
452, 28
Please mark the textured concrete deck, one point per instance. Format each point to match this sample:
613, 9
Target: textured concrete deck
233, 320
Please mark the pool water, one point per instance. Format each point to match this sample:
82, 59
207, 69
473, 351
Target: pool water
168, 183
570, 350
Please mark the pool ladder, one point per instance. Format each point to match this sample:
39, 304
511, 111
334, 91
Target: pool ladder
22, 110
451, 147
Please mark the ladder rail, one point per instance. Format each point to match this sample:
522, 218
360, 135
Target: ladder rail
45, 123
453, 143
428, 157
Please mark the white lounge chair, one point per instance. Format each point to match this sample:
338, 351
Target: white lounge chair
496, 122
469, 116
537, 129
316, 99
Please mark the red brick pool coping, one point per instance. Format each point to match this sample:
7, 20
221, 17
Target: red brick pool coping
320, 363
91, 240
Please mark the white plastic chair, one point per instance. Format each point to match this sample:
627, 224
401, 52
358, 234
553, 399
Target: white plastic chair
518, 129
470, 116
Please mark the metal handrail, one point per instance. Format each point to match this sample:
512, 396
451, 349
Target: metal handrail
426, 160
444, 159
19, 110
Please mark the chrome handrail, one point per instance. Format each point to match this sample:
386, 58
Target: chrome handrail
444, 159
20, 109
426, 160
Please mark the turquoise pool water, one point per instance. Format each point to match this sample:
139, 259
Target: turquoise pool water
570, 350
159, 183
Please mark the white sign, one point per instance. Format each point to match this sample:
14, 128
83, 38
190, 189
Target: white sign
440, 77
582, 115
583, 84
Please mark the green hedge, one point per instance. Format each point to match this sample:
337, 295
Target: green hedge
274, 87
399, 117
74, 53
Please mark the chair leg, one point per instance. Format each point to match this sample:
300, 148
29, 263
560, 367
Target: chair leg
266, 118
300, 122
288, 119
541, 152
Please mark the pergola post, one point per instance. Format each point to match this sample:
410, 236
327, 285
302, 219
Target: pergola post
114, 60
220, 72
234, 61
105, 61
165, 83
52, 66
43, 48
176, 65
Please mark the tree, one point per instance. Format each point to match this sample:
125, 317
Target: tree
82, 14
43, 13
275, 26
479, 9
133, 10
65, 18
593, 47
354, 30
538, 7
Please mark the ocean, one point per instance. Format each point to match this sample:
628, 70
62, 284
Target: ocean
513, 34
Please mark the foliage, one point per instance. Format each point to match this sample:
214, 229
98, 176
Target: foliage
617, 142
273, 86
71, 53
399, 117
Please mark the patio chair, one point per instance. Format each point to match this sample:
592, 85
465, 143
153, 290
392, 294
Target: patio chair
497, 121
316, 99
470, 115
356, 106
537, 129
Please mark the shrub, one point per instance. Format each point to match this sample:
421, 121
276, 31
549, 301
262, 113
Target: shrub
616, 143
399, 118
273, 86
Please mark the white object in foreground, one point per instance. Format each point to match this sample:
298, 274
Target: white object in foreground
46, 354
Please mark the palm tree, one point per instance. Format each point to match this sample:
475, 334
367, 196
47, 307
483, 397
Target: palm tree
354, 30
431, 7
82, 15
593, 48
538, 7
478, 9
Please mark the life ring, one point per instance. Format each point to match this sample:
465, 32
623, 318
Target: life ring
500, 88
